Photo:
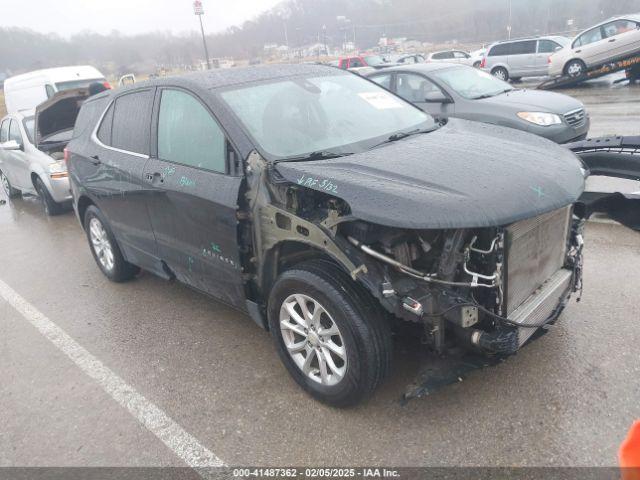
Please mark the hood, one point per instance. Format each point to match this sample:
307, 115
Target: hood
535, 101
464, 175
59, 113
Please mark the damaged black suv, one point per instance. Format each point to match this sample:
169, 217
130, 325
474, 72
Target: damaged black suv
327, 209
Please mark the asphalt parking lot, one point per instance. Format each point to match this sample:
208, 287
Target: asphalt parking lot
152, 373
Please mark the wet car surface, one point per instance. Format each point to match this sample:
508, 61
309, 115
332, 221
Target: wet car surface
566, 399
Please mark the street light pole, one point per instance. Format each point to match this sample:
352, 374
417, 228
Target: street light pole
198, 10
510, 20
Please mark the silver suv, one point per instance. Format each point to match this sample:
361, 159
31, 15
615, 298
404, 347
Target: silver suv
527, 57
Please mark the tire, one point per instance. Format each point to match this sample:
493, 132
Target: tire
362, 332
105, 249
501, 73
6, 186
575, 68
51, 207
477, 64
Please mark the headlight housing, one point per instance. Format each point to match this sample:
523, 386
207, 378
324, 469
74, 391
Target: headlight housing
58, 169
543, 119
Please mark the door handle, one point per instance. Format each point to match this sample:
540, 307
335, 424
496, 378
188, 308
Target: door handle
95, 159
578, 51
154, 177
612, 40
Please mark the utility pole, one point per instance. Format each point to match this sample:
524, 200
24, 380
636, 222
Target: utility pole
510, 20
198, 10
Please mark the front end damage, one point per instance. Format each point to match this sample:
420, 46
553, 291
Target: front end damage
477, 295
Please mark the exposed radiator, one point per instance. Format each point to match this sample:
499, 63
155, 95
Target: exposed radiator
536, 251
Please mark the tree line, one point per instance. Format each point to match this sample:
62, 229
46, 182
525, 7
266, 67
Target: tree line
303, 22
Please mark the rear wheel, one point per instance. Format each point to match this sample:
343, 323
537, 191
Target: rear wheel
105, 249
501, 73
51, 207
477, 64
330, 334
6, 186
575, 68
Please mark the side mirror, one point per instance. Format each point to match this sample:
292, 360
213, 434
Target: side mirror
11, 145
437, 97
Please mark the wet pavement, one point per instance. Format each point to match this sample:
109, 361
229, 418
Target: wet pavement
565, 400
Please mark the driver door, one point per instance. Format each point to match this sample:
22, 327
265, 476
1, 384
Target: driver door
193, 199
417, 89
17, 159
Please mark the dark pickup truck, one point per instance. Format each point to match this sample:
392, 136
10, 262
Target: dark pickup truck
330, 210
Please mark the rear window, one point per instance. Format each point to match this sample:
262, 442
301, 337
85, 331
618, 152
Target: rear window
62, 86
131, 122
500, 50
523, 48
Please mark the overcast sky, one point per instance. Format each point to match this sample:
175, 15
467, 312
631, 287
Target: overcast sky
66, 17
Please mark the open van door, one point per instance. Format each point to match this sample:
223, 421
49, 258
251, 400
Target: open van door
612, 157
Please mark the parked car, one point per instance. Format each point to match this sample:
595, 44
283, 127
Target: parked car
25, 92
606, 42
406, 59
458, 91
360, 61
323, 205
451, 56
527, 57
477, 56
31, 150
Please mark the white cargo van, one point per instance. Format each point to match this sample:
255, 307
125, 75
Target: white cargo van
25, 92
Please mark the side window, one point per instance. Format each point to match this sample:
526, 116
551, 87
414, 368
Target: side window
619, 27
442, 55
523, 48
460, 55
4, 131
414, 88
104, 132
500, 50
50, 91
591, 36
131, 122
355, 62
547, 46
188, 134
14, 132
383, 80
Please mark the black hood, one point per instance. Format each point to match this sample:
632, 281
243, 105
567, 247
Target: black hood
59, 113
463, 175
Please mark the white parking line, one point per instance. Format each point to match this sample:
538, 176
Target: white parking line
183, 444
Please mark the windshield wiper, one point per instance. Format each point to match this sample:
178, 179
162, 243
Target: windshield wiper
319, 155
491, 95
402, 135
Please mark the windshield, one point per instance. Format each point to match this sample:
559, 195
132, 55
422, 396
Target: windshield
373, 60
472, 83
340, 113
62, 86
28, 124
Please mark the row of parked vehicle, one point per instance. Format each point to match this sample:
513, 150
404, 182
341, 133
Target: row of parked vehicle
324, 206
609, 41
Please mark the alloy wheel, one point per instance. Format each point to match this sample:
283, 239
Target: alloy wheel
313, 339
101, 244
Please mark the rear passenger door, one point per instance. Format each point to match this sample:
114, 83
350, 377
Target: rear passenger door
112, 173
522, 58
194, 198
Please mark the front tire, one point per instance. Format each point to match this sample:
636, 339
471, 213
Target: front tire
51, 207
105, 249
500, 73
575, 68
330, 333
6, 186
